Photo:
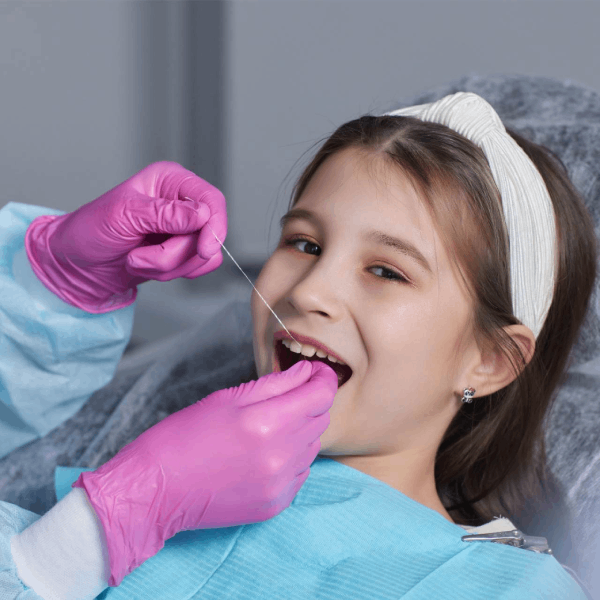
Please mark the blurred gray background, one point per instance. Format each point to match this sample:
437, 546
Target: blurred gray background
238, 91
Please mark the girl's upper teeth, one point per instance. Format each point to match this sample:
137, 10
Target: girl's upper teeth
308, 350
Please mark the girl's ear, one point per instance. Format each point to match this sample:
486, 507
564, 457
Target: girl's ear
495, 371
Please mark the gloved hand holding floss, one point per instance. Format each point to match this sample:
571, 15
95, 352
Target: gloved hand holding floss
95, 257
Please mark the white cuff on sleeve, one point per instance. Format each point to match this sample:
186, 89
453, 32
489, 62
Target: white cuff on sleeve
63, 555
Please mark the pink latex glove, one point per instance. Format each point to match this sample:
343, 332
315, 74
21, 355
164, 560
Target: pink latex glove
238, 456
94, 257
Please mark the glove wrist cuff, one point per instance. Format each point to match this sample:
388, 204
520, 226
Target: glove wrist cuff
68, 283
131, 533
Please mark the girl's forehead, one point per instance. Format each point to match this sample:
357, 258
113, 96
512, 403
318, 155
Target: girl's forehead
351, 184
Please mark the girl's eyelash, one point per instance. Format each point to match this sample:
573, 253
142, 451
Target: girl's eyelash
397, 276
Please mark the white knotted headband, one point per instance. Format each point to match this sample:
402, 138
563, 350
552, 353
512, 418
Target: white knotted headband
528, 210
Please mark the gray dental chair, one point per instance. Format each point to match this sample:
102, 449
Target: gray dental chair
156, 380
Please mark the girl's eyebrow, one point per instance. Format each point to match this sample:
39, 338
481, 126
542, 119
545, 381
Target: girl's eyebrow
384, 239
297, 213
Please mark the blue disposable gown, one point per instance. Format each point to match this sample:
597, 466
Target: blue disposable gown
345, 534
53, 356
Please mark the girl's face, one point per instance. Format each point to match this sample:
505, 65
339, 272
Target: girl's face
397, 317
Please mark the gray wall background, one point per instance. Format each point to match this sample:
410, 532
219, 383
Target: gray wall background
237, 91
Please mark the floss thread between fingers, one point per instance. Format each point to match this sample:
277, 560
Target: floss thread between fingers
246, 276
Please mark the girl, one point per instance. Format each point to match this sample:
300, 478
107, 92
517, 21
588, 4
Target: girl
442, 267
437, 314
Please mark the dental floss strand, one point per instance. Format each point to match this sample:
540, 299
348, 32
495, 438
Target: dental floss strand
246, 276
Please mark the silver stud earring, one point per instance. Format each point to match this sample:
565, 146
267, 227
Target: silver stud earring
468, 394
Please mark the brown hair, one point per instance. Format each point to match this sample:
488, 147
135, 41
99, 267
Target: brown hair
492, 458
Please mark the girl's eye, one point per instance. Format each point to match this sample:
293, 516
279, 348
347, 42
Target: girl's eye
391, 275
296, 240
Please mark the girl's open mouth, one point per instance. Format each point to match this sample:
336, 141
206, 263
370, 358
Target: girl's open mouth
284, 358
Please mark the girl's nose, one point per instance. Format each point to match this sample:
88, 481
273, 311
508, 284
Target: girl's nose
317, 292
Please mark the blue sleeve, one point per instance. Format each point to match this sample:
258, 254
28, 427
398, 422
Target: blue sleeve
53, 356
13, 520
